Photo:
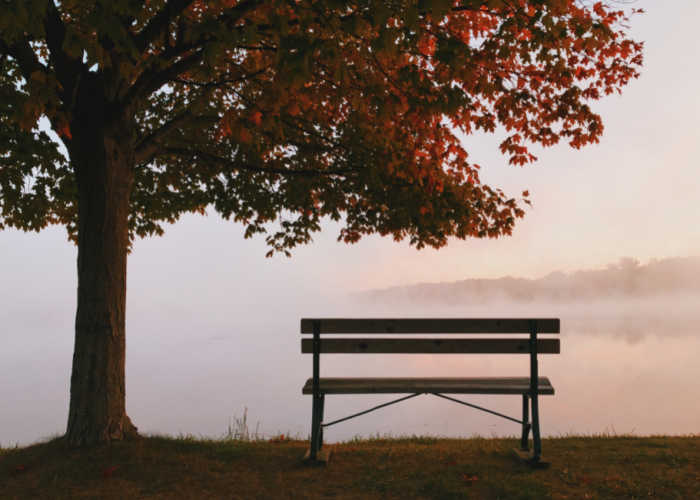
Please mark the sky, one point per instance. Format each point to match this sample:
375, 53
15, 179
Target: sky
633, 195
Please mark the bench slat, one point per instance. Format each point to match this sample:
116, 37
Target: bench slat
430, 325
492, 385
430, 346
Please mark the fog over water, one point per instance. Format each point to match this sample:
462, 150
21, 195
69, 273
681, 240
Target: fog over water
628, 361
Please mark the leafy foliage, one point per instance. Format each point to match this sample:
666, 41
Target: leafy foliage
292, 111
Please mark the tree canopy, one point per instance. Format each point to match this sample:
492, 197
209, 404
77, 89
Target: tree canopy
292, 111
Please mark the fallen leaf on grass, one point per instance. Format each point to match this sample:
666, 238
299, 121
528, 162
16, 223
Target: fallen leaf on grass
470, 479
109, 471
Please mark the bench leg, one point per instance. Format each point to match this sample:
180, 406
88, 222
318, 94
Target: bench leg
526, 424
537, 444
320, 420
316, 416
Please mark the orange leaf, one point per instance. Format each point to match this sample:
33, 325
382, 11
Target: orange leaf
65, 131
256, 117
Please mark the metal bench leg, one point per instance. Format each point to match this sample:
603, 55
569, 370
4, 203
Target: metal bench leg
537, 444
317, 404
315, 426
534, 393
526, 424
322, 401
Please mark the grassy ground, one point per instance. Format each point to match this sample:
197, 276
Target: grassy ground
160, 467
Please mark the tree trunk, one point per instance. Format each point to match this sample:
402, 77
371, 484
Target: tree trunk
101, 153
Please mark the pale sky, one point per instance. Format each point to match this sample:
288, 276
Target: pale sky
635, 194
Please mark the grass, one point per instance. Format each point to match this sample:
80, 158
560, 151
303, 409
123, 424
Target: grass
418, 467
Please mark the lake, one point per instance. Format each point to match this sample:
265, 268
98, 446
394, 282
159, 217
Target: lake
626, 367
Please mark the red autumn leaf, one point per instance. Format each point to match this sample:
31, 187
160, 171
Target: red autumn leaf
277, 439
109, 471
245, 136
65, 131
256, 117
598, 9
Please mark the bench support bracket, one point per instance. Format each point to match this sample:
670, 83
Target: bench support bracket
371, 409
477, 407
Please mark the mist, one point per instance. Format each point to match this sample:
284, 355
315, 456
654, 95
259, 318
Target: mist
625, 299
213, 332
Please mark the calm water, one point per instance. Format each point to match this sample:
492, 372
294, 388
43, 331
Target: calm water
625, 367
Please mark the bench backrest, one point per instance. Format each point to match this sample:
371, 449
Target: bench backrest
529, 327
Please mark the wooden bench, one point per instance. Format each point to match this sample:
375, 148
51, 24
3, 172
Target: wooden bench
528, 387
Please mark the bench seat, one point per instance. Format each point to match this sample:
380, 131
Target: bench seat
447, 385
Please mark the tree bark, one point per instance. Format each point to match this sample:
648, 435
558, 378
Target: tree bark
101, 152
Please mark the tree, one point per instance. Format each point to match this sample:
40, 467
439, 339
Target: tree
277, 114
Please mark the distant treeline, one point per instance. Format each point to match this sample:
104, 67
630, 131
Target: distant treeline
625, 279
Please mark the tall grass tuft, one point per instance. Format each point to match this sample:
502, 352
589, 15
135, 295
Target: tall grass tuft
238, 429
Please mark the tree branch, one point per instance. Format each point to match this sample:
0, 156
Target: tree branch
159, 23
149, 81
220, 83
67, 69
26, 59
149, 146
189, 53
192, 153
229, 19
